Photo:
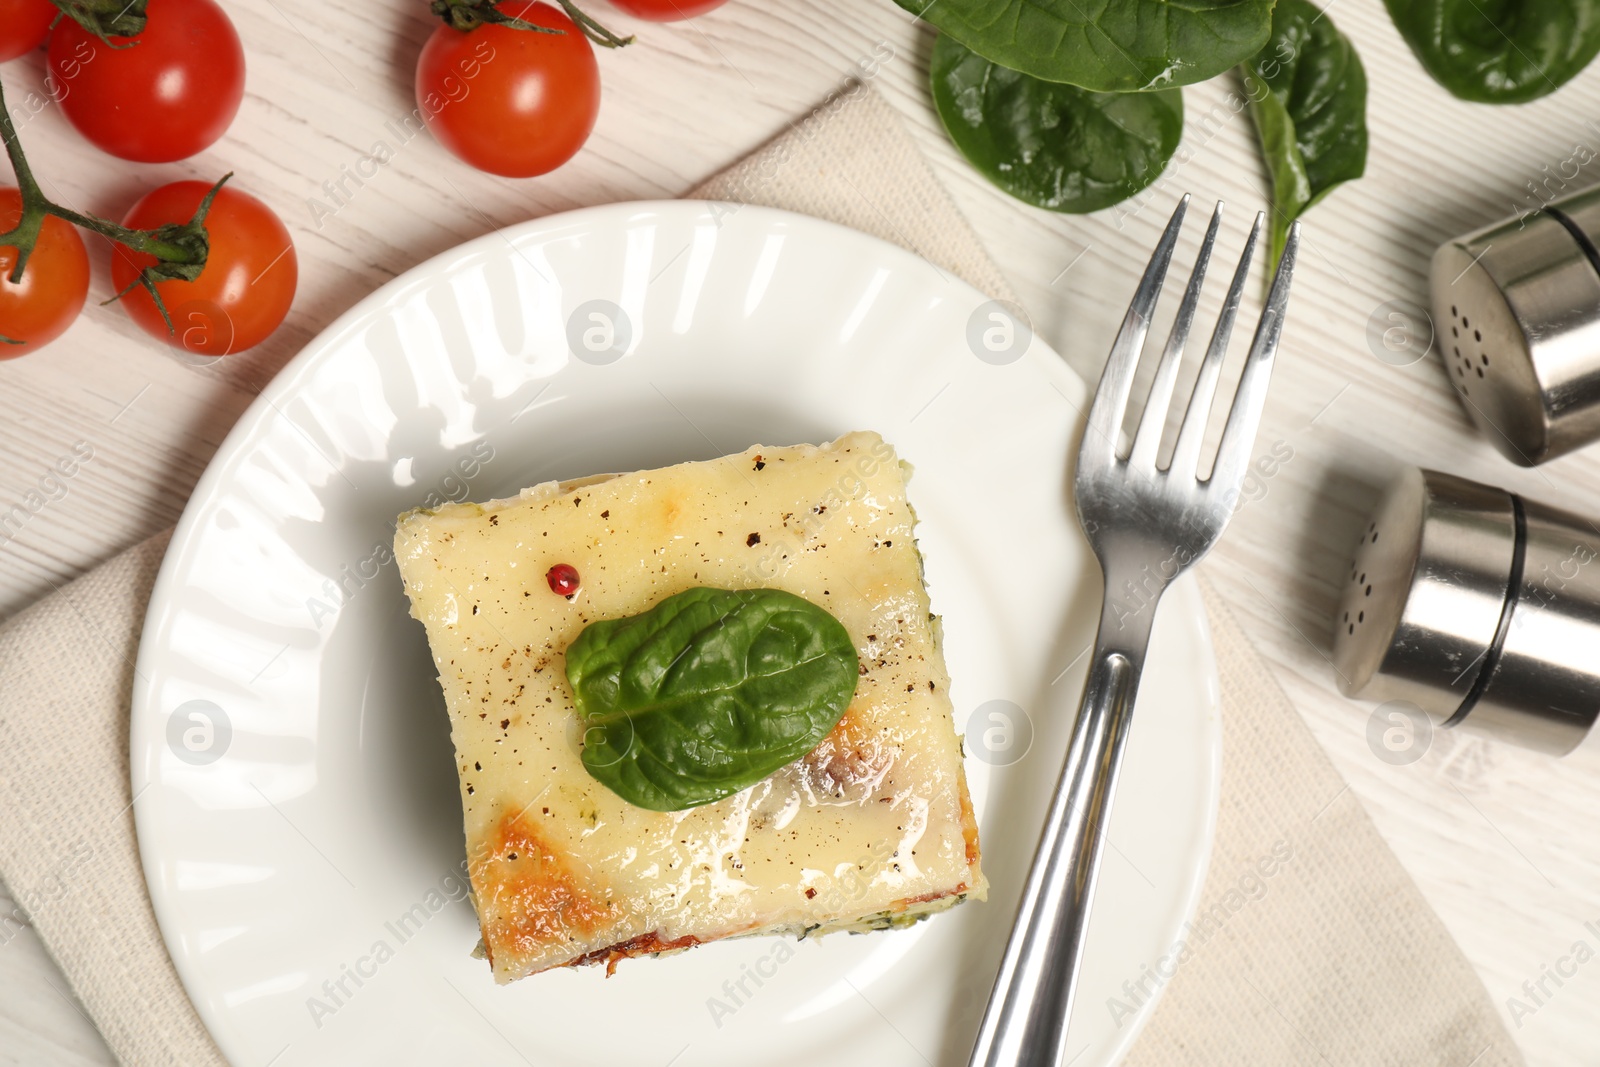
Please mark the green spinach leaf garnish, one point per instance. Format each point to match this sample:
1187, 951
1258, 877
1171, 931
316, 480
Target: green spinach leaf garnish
1308, 97
1052, 145
1500, 51
1106, 45
707, 693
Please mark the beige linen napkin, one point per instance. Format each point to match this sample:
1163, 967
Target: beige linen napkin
1311, 945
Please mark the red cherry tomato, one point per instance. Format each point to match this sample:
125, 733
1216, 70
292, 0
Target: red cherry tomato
39, 308
171, 94
512, 102
23, 26
667, 10
245, 288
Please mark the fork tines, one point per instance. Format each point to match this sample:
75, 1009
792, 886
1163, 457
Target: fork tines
1116, 382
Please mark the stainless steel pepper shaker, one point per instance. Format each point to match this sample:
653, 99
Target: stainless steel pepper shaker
1479, 607
1516, 311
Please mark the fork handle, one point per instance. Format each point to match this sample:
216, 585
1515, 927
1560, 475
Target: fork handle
1025, 1024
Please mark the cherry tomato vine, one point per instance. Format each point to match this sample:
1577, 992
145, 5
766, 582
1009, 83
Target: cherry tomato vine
548, 92
179, 248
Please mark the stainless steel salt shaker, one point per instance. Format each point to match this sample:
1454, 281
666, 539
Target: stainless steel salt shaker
1479, 607
1516, 311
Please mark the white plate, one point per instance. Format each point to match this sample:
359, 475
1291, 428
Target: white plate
290, 750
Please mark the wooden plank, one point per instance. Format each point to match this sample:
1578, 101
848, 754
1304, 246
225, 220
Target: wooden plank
1498, 839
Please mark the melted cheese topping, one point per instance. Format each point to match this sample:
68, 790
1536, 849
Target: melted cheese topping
872, 827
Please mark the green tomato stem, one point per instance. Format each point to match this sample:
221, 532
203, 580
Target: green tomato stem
179, 248
106, 19
146, 241
468, 15
592, 29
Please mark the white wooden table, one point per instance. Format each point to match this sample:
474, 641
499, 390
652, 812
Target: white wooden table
1505, 844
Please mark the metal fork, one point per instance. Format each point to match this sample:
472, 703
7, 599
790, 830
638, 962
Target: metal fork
1147, 525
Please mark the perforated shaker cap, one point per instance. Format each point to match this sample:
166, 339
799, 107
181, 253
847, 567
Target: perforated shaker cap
1478, 607
1425, 592
1516, 311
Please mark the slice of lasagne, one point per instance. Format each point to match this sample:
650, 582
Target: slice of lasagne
872, 829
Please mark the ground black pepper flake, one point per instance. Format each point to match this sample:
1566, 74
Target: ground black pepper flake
753, 540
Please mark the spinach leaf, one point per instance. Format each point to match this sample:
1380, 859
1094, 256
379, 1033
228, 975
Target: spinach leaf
1500, 51
1055, 146
707, 693
1106, 45
1308, 96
